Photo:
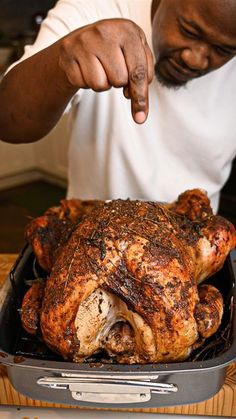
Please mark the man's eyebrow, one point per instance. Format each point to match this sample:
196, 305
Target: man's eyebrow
191, 23
199, 29
231, 48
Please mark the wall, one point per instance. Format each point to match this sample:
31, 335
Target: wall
45, 159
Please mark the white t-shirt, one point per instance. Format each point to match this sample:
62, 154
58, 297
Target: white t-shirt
188, 141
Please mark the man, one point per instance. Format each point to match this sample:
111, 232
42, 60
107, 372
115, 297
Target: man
84, 47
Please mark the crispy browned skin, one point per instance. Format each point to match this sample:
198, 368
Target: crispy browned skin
131, 269
73, 209
193, 204
209, 310
31, 306
47, 233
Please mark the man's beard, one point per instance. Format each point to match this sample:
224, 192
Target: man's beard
164, 81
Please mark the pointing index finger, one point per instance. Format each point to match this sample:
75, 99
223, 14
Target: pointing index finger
137, 65
138, 88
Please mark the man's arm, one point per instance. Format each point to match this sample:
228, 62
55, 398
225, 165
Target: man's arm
108, 53
33, 96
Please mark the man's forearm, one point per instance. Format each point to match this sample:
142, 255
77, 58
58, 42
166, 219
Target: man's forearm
33, 96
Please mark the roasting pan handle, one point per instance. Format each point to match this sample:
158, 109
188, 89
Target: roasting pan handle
108, 391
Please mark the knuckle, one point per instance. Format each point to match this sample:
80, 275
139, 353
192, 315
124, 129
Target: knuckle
110, 28
140, 101
65, 46
138, 75
142, 36
100, 87
68, 65
104, 89
82, 38
119, 81
103, 29
133, 31
100, 31
117, 84
130, 25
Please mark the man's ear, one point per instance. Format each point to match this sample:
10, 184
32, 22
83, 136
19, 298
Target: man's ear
155, 4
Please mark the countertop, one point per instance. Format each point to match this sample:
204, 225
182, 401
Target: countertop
222, 404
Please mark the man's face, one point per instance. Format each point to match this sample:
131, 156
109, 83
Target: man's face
192, 38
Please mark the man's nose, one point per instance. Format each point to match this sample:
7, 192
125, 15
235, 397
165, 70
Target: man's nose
196, 58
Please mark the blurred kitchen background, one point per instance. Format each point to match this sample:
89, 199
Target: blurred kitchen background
33, 177
19, 23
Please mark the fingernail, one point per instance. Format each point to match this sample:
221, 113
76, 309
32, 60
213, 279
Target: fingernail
140, 117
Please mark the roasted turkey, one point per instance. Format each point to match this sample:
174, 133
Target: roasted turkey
124, 278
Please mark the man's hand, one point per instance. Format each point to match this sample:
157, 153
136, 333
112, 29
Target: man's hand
110, 53
107, 53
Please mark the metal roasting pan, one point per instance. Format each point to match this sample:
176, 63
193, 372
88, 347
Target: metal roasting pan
39, 374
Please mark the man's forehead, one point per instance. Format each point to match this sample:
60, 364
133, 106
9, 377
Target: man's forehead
218, 14
226, 6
